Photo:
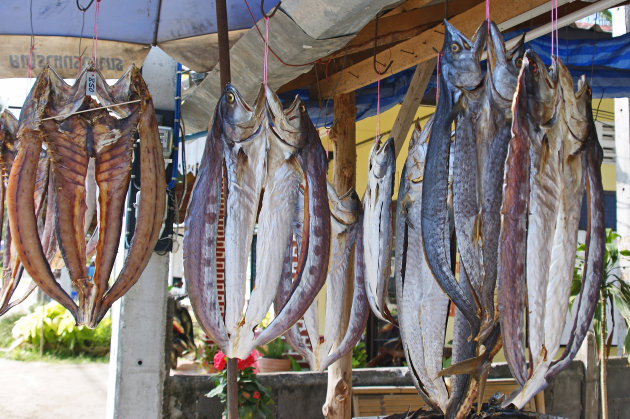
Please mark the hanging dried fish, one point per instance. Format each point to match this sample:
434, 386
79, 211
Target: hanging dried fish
553, 125
422, 305
344, 218
377, 226
263, 155
49, 117
459, 69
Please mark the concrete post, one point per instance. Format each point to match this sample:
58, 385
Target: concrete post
137, 366
621, 16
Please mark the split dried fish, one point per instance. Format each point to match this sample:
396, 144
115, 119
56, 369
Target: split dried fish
49, 117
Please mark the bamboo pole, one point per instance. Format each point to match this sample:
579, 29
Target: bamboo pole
343, 135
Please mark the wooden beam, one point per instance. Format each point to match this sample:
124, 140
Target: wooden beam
403, 26
423, 47
343, 135
413, 97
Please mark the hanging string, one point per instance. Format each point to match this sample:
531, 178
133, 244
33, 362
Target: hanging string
378, 105
31, 49
95, 30
437, 78
488, 14
82, 10
557, 30
552, 32
266, 51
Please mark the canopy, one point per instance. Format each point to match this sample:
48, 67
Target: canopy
185, 29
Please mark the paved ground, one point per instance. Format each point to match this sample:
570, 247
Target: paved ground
38, 390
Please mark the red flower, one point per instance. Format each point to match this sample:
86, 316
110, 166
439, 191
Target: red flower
219, 360
256, 395
250, 361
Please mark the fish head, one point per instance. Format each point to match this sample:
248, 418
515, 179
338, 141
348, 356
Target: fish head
461, 56
505, 65
382, 158
286, 125
344, 208
538, 93
417, 155
240, 122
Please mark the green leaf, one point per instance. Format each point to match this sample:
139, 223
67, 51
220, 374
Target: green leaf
622, 302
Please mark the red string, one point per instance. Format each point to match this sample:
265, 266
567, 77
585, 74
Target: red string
266, 50
557, 30
95, 30
30, 61
488, 14
437, 78
552, 32
378, 105
327, 140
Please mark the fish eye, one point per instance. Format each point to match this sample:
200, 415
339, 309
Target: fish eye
519, 62
302, 108
230, 97
534, 67
455, 48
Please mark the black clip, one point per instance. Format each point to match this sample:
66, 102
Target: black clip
374, 56
273, 11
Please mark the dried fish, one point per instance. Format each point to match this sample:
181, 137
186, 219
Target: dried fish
459, 70
49, 117
377, 226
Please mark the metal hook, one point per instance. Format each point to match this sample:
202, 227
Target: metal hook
374, 56
273, 11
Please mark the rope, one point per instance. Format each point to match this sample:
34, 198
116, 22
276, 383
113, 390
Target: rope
266, 51
437, 78
95, 30
91, 109
32, 46
378, 105
488, 14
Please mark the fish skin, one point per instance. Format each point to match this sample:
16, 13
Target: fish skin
20, 190
459, 69
568, 218
152, 200
360, 307
315, 244
377, 225
281, 184
199, 243
422, 306
51, 96
344, 211
594, 249
544, 196
511, 278
244, 150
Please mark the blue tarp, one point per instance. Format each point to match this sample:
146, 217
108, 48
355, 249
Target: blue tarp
605, 62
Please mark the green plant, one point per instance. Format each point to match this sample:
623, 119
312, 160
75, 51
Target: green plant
6, 325
60, 334
207, 351
359, 356
613, 290
275, 349
253, 398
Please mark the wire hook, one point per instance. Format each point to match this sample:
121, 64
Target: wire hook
374, 55
273, 11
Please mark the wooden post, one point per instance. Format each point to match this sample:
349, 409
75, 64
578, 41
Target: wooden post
409, 107
343, 135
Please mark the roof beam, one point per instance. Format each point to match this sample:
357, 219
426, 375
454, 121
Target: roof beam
422, 48
409, 107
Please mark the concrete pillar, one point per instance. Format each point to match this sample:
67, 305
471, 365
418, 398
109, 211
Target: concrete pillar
621, 16
137, 366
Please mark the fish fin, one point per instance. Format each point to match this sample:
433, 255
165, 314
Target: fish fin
468, 366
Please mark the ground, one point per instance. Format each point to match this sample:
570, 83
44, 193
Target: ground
38, 390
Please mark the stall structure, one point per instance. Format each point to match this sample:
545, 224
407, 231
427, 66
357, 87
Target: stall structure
332, 53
